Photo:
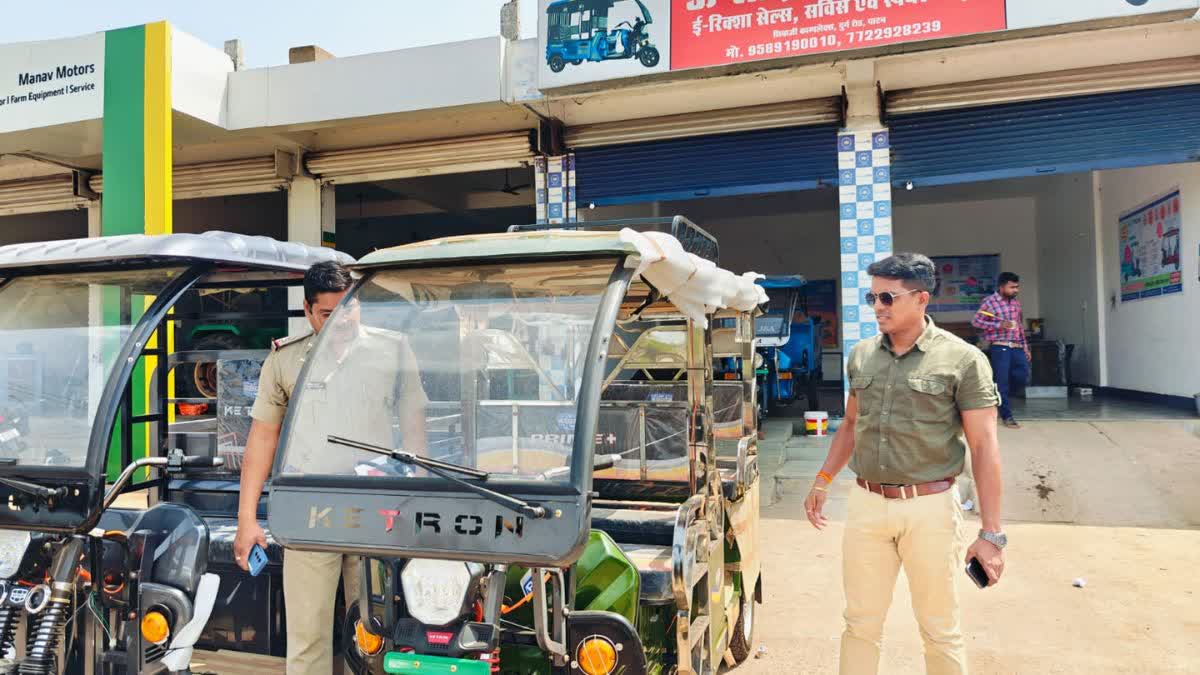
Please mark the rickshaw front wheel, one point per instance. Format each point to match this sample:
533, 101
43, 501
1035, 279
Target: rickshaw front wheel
557, 63
649, 56
576, 62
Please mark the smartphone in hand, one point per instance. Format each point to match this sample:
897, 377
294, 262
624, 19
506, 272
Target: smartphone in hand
977, 573
257, 560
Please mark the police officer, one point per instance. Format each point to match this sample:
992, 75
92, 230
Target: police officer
310, 579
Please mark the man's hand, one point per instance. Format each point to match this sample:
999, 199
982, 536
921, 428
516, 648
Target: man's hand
814, 506
249, 533
991, 557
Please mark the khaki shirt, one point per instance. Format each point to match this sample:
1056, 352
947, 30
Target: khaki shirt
359, 396
909, 427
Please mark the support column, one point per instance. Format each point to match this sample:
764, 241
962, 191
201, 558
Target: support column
554, 186
136, 163
865, 196
312, 220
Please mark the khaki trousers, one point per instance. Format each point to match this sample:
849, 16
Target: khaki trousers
925, 536
310, 582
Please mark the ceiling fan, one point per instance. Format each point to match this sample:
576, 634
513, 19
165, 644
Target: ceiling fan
509, 188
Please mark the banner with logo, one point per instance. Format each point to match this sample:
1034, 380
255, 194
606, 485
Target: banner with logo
53, 82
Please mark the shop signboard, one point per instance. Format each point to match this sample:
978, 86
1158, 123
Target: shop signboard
51, 82
963, 281
591, 40
718, 32
1150, 248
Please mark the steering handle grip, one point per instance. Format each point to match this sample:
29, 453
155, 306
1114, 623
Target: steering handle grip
201, 462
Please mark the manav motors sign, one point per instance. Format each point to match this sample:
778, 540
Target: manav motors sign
52, 82
592, 40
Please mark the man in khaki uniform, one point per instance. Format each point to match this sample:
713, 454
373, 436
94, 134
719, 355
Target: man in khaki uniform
919, 397
310, 579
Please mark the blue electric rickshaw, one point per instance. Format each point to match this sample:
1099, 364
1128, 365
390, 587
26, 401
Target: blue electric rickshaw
577, 31
790, 348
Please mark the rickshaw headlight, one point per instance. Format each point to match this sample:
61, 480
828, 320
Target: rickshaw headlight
156, 627
596, 656
435, 590
12, 549
369, 643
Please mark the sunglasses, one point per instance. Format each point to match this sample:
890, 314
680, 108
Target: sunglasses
886, 297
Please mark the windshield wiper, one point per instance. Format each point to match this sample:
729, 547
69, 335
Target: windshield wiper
446, 470
41, 492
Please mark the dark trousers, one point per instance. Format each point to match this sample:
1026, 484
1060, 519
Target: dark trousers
1009, 368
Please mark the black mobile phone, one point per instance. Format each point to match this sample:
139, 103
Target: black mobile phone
977, 573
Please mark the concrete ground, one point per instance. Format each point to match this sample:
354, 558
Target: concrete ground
1113, 503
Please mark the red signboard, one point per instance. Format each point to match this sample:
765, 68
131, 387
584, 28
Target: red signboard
717, 32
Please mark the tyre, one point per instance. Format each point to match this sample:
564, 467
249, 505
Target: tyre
204, 375
813, 392
556, 63
576, 62
742, 642
649, 56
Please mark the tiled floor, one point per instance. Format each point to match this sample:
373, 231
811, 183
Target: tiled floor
1096, 409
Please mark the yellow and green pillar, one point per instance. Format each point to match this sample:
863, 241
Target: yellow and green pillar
137, 174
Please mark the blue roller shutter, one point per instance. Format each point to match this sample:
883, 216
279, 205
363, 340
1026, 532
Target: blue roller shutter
746, 162
1080, 133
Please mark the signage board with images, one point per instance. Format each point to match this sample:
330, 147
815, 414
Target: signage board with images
590, 40
1150, 246
593, 40
963, 281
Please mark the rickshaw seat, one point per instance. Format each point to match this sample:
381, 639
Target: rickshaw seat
221, 533
635, 526
654, 568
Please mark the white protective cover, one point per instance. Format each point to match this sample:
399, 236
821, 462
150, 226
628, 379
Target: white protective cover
696, 286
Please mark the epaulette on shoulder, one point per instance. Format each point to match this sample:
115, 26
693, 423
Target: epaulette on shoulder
276, 345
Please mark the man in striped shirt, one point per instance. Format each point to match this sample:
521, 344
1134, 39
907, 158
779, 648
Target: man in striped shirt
999, 317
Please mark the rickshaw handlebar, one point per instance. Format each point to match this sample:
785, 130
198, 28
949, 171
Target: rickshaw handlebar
173, 461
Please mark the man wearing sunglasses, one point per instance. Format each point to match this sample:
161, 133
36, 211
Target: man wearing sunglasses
919, 398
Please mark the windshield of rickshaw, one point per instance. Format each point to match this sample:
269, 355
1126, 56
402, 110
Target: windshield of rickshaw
776, 319
60, 335
478, 366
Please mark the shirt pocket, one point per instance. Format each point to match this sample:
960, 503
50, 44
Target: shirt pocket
931, 397
863, 391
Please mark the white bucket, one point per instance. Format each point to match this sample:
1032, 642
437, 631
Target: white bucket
816, 423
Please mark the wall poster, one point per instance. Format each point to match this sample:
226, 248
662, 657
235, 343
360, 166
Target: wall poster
963, 281
1150, 241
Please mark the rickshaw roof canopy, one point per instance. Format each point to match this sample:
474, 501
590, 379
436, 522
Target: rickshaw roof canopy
539, 245
223, 248
593, 5
694, 285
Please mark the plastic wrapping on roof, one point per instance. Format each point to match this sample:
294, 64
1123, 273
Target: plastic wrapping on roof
217, 246
696, 286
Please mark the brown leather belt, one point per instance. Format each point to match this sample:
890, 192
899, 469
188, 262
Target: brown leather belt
1010, 345
907, 491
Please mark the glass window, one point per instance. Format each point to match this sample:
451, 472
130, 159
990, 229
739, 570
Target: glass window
479, 366
59, 339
